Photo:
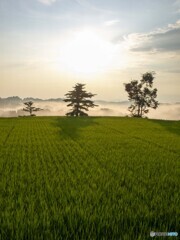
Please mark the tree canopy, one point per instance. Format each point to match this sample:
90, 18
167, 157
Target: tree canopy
79, 100
30, 109
142, 95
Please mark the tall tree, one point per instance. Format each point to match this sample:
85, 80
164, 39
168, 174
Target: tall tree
142, 95
30, 109
79, 101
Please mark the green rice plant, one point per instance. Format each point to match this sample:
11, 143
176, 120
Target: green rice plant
88, 178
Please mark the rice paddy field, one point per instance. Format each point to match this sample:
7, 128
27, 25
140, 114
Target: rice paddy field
88, 178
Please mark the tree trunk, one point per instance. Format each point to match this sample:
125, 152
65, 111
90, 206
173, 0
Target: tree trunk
138, 110
141, 111
77, 109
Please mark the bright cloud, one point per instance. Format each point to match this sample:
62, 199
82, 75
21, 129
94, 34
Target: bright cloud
47, 2
112, 22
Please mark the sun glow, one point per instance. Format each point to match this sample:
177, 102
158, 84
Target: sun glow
87, 53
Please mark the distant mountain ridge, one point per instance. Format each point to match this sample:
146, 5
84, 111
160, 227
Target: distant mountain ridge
17, 101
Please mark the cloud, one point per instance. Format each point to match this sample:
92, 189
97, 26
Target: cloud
47, 2
177, 6
111, 22
162, 39
90, 6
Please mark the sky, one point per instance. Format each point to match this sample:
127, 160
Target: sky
47, 46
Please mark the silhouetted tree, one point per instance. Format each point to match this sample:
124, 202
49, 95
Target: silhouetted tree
142, 95
79, 101
29, 108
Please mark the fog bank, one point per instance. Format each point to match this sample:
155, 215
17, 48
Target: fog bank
164, 111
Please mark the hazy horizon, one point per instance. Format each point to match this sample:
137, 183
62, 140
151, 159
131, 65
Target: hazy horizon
96, 99
164, 111
47, 46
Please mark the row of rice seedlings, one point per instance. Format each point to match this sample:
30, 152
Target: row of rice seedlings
145, 192
79, 191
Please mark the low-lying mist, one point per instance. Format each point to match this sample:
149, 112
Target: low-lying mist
164, 111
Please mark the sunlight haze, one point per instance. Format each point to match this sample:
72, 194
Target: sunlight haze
49, 45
